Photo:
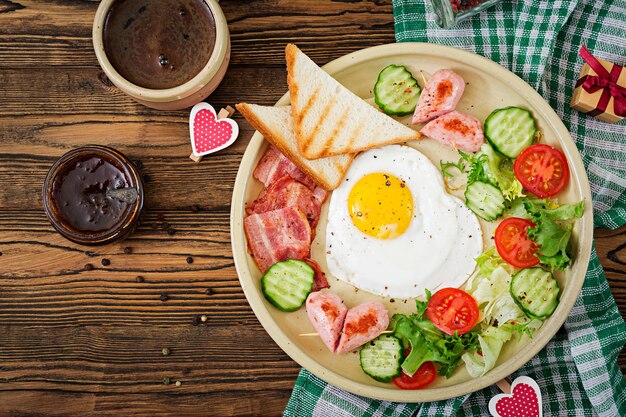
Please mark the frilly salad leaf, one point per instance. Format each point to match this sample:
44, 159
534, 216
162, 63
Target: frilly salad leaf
554, 211
488, 166
554, 243
553, 238
427, 343
422, 349
493, 296
499, 171
501, 318
446, 166
421, 305
490, 260
503, 309
485, 288
490, 288
491, 340
516, 209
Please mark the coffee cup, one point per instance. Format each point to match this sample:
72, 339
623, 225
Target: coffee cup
165, 54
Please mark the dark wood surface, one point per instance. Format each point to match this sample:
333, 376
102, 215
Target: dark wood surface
88, 342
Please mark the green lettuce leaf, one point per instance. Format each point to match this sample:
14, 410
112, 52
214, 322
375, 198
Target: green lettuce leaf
552, 237
428, 343
554, 211
489, 166
490, 288
491, 341
516, 208
486, 166
493, 296
490, 260
411, 337
550, 231
446, 166
421, 305
500, 170
524, 326
453, 347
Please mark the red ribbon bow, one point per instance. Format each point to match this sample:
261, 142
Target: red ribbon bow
606, 81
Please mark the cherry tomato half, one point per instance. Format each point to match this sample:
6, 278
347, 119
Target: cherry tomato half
542, 170
513, 245
424, 375
452, 309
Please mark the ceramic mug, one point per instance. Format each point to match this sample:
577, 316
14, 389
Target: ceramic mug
179, 97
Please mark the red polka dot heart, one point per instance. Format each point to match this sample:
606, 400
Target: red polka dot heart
524, 400
208, 134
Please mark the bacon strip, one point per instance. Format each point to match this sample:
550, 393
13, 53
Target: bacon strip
287, 192
274, 226
319, 281
320, 195
278, 235
274, 165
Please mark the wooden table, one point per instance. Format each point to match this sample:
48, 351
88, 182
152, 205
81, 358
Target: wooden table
85, 342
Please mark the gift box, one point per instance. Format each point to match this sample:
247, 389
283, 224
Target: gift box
601, 89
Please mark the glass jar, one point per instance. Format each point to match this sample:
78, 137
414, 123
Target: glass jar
79, 200
451, 12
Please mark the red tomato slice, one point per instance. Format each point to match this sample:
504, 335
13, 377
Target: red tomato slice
542, 170
513, 245
424, 375
451, 309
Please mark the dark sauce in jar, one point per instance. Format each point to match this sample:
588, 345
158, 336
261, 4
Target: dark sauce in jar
75, 195
79, 194
159, 44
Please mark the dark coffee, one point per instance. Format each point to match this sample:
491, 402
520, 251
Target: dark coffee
159, 44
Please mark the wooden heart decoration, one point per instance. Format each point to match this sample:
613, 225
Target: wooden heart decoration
208, 132
523, 401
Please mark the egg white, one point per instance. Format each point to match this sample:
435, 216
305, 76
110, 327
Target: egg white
438, 248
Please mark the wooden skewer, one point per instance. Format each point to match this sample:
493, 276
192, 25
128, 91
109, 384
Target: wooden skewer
423, 78
317, 334
504, 385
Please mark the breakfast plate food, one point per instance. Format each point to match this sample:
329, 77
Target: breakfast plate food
420, 211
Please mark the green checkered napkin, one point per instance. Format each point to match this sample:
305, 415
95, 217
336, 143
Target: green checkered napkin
538, 40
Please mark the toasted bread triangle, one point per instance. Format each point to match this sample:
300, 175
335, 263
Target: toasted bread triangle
274, 123
331, 120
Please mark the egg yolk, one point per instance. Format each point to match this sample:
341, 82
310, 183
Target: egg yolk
381, 205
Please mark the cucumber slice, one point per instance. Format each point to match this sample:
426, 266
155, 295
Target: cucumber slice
485, 200
536, 292
381, 358
287, 284
396, 91
510, 130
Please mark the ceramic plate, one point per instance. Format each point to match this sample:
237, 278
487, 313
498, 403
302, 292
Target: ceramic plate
489, 87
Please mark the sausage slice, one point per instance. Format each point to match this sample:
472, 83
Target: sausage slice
327, 313
363, 323
456, 129
440, 96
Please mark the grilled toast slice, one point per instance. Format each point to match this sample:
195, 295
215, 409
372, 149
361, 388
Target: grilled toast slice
274, 123
331, 120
